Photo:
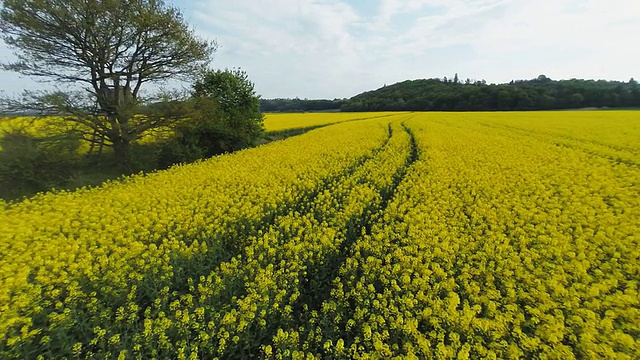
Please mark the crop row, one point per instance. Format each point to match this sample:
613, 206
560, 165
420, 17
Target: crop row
408, 236
494, 246
74, 259
238, 307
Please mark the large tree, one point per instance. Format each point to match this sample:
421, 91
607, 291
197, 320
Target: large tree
108, 50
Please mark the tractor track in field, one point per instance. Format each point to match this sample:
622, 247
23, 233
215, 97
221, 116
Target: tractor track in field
312, 297
223, 248
283, 134
302, 207
315, 283
234, 243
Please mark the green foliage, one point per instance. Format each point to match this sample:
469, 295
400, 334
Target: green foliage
225, 117
541, 93
299, 105
29, 164
110, 50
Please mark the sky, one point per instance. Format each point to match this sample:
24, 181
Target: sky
339, 48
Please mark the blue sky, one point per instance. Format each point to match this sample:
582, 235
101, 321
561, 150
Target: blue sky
338, 48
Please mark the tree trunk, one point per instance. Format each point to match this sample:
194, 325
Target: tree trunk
122, 151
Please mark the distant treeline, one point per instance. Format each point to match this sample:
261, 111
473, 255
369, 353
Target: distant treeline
541, 93
298, 105
454, 94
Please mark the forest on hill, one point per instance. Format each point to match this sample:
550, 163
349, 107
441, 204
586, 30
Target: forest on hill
541, 93
299, 105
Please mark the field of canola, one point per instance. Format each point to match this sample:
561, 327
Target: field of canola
417, 235
273, 123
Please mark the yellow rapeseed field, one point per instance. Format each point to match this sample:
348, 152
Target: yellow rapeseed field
408, 235
273, 122
289, 121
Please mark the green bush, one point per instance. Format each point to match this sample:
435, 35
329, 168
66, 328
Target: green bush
29, 164
225, 117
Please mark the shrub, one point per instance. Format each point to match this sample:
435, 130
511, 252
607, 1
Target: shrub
30, 164
225, 117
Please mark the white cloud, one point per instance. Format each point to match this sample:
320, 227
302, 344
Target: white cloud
556, 23
337, 48
563, 39
283, 44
